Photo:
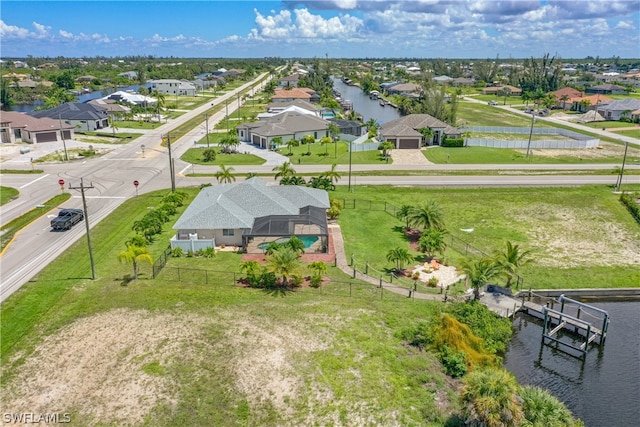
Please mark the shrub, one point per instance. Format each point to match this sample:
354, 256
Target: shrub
433, 282
453, 142
419, 336
315, 281
189, 253
177, 252
209, 154
631, 205
495, 331
209, 253
296, 280
453, 361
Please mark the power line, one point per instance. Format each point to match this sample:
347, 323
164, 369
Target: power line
86, 223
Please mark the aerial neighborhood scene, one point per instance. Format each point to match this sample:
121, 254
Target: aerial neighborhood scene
320, 213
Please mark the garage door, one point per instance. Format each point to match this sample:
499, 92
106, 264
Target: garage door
47, 137
66, 134
409, 143
255, 139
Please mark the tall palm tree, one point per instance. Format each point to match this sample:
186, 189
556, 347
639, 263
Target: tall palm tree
333, 174
400, 256
325, 140
134, 255
386, 147
284, 170
479, 272
426, 216
283, 262
160, 102
490, 398
225, 175
511, 260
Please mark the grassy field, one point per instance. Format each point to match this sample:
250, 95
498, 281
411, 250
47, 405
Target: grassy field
329, 154
488, 155
582, 237
168, 352
194, 155
7, 193
474, 114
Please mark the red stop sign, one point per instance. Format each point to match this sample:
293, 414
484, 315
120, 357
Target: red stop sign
136, 183
61, 181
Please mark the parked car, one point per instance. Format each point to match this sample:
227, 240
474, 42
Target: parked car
67, 218
492, 102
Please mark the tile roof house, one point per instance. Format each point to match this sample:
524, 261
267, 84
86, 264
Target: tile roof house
493, 90
84, 116
615, 110
288, 95
607, 89
287, 125
251, 214
22, 127
173, 87
404, 132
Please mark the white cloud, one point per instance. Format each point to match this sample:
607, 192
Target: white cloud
303, 24
9, 32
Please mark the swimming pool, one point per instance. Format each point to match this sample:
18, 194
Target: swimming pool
307, 240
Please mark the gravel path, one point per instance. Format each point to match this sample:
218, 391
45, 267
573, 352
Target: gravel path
409, 157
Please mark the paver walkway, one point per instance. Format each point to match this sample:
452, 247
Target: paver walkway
341, 259
409, 157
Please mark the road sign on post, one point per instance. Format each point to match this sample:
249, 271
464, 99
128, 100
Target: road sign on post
135, 184
61, 182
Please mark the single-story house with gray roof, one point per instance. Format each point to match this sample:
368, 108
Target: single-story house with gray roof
287, 125
81, 115
405, 131
251, 214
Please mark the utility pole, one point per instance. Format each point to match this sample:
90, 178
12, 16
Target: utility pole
206, 120
226, 106
624, 160
64, 143
86, 223
173, 177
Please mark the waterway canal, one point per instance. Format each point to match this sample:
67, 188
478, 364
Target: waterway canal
366, 107
604, 389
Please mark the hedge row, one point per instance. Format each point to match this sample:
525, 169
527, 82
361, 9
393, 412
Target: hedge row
453, 142
629, 201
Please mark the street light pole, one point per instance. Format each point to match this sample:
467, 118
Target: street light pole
206, 121
226, 106
171, 171
533, 120
624, 160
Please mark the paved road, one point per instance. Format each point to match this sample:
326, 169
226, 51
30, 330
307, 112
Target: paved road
112, 179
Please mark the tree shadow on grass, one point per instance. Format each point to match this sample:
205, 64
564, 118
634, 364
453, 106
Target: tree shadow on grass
125, 280
279, 291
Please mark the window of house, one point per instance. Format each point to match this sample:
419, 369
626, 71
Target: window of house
228, 232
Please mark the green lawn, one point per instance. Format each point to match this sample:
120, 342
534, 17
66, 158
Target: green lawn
583, 237
633, 133
488, 155
7, 193
329, 154
194, 155
135, 124
474, 114
609, 124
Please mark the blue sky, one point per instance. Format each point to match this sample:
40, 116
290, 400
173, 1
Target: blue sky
338, 28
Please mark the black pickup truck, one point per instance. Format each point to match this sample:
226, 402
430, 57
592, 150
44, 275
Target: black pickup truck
67, 218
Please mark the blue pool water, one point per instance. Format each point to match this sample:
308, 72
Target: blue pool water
307, 240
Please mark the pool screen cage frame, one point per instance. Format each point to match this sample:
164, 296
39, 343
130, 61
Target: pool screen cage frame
311, 221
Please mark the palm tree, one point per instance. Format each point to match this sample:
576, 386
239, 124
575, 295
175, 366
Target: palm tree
490, 398
479, 271
564, 98
134, 255
432, 241
160, 102
225, 175
251, 175
283, 262
511, 259
333, 174
400, 256
317, 267
293, 180
403, 214
427, 216
284, 170
325, 140
427, 135
386, 147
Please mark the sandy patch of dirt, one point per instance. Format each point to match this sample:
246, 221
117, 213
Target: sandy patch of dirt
564, 237
605, 149
94, 367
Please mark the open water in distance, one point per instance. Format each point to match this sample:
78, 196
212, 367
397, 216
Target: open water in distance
604, 390
366, 107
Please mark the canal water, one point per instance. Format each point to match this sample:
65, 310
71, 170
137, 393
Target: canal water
603, 389
366, 107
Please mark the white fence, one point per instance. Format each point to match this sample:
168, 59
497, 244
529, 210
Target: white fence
574, 139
